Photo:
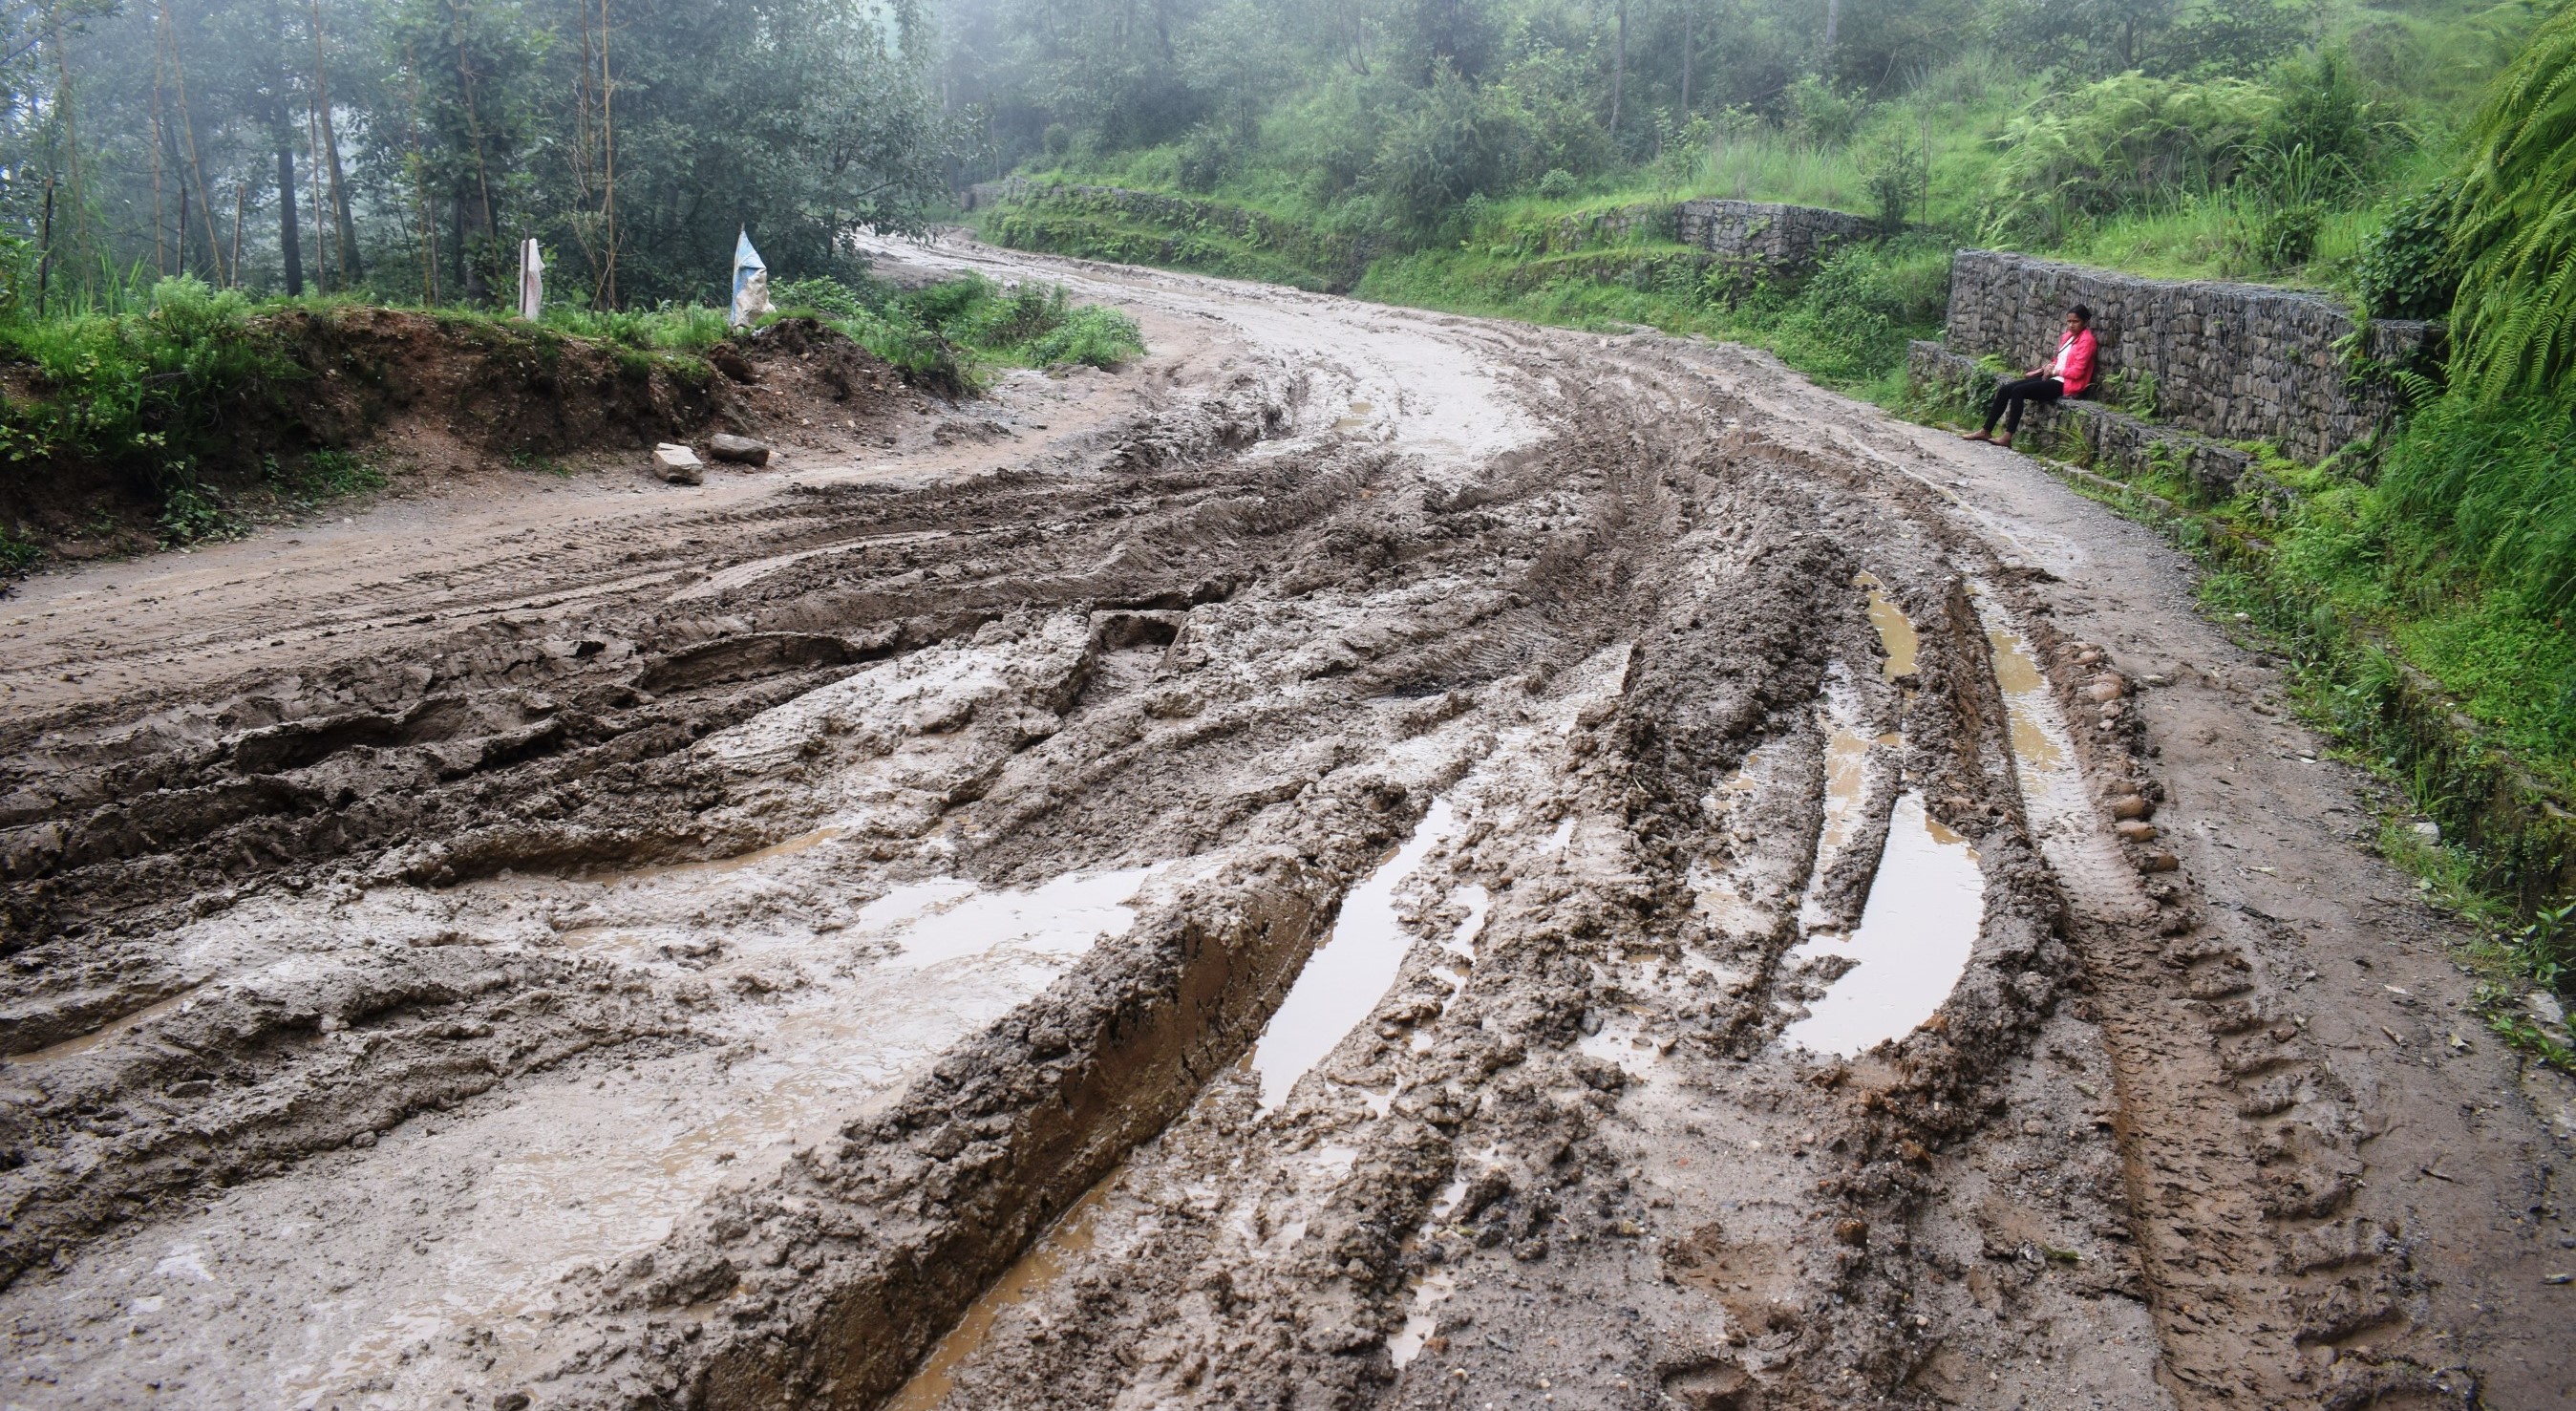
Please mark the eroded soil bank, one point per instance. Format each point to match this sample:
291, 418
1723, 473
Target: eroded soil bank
1371, 861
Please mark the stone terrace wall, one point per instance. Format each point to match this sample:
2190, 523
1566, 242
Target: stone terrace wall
1779, 240
2242, 362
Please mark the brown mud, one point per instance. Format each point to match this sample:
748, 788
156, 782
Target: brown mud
1358, 863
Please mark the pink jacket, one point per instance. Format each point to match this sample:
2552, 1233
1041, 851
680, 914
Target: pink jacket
2075, 352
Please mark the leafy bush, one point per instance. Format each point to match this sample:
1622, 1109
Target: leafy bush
2122, 143
1457, 140
2323, 109
2407, 267
1823, 114
147, 393
2286, 236
326, 474
2490, 491
1557, 185
1851, 321
1896, 172
1091, 334
2514, 324
941, 335
192, 514
825, 295
16, 554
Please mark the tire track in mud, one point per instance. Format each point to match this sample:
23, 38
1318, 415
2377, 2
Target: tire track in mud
1601, 683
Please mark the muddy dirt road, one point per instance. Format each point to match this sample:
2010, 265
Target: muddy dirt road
1372, 860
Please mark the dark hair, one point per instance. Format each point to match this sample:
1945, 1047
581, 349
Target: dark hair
2083, 312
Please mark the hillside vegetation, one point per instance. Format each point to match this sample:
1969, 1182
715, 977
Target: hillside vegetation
2409, 160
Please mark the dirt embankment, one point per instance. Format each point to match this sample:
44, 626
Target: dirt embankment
428, 400
1427, 864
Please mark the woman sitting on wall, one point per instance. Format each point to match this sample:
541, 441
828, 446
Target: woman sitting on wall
2066, 375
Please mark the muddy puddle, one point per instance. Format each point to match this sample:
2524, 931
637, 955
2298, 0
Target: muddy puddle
1343, 980
1896, 632
1040, 1266
2053, 791
471, 1224
1912, 944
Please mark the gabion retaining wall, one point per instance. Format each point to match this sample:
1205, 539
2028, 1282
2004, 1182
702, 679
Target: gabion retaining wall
2109, 437
1773, 239
2242, 362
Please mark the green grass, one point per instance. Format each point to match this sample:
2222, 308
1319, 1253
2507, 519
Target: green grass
952, 335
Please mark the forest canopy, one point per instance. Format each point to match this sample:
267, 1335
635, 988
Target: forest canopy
405, 147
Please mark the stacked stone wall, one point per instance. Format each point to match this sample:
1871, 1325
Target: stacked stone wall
2095, 432
2240, 362
1772, 240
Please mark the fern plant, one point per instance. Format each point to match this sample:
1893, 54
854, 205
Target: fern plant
2515, 317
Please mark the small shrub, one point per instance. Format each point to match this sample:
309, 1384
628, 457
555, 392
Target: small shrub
191, 514
327, 475
2407, 269
1823, 114
1557, 185
826, 296
17, 555
1093, 335
2286, 236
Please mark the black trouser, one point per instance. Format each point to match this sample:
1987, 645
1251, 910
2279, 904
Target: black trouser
2008, 399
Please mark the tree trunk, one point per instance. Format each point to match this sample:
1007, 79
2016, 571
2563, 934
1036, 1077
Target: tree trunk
347, 229
1833, 22
197, 168
1619, 72
605, 296
475, 214
1687, 17
458, 265
45, 248
289, 240
160, 252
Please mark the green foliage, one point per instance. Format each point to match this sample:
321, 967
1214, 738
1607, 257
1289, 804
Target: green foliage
2546, 948
2490, 490
145, 393
2408, 268
2121, 143
1850, 323
946, 335
2514, 322
16, 554
2323, 110
1557, 185
1459, 140
326, 475
192, 514
1897, 173
1823, 114
1092, 335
